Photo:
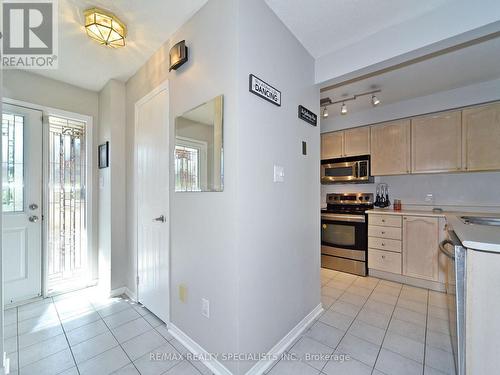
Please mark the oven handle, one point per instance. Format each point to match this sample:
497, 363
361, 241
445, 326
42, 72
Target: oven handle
343, 217
442, 248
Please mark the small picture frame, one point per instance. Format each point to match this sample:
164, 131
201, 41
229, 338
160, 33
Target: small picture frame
103, 155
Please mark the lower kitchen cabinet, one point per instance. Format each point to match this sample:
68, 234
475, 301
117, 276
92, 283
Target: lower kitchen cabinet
421, 247
384, 261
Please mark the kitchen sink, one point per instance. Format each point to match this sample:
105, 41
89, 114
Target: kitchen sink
481, 220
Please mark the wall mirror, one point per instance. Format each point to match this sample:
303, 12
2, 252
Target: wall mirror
198, 148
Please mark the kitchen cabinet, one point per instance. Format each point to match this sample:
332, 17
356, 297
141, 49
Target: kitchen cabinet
332, 145
390, 148
350, 142
436, 143
481, 137
357, 141
421, 247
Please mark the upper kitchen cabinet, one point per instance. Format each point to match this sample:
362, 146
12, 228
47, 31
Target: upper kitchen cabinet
436, 143
357, 141
390, 148
481, 132
332, 145
350, 142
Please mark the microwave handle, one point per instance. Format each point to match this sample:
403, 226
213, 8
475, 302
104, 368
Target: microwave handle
357, 169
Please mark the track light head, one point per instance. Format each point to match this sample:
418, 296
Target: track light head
325, 112
375, 101
343, 109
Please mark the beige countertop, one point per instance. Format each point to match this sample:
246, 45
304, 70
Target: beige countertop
390, 211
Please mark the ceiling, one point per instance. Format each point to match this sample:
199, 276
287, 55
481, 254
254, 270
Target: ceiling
460, 68
85, 63
325, 26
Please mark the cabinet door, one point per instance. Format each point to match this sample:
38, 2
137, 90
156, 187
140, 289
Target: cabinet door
332, 145
390, 148
357, 141
437, 143
481, 132
421, 247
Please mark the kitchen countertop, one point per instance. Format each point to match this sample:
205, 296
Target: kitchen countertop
472, 236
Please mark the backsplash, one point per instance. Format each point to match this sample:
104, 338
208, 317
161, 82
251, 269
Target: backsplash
475, 190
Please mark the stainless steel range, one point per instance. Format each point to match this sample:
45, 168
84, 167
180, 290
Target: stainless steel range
344, 232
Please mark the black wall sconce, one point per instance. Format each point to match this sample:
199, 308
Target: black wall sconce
178, 55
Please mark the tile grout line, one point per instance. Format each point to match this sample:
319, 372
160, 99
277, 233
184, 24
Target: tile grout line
425, 335
386, 330
65, 336
345, 290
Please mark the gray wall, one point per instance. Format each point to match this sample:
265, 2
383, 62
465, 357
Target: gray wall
202, 225
474, 190
113, 258
278, 223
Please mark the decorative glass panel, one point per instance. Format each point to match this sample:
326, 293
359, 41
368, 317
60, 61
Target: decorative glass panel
187, 171
12, 163
67, 197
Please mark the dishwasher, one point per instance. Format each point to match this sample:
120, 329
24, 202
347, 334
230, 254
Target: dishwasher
456, 258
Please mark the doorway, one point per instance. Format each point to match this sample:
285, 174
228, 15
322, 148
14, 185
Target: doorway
45, 201
152, 200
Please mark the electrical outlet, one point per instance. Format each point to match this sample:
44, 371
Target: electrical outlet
429, 198
205, 307
182, 292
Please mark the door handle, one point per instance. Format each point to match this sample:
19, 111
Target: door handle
33, 206
160, 218
33, 219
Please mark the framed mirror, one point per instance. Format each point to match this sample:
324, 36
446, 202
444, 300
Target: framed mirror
199, 148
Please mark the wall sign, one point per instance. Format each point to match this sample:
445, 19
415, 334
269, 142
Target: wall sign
264, 90
308, 116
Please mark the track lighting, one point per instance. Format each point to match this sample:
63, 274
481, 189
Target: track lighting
343, 109
375, 101
325, 112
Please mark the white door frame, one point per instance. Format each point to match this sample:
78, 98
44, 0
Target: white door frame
49, 111
161, 87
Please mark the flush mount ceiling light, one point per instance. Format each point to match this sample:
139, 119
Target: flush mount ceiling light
105, 28
325, 102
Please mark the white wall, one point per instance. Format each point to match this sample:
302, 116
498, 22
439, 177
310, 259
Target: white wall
113, 259
278, 223
427, 33
32, 88
476, 190
203, 225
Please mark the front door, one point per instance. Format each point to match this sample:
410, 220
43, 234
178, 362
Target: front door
152, 151
22, 202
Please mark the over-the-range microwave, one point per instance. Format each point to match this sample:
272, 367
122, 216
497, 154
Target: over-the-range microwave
354, 169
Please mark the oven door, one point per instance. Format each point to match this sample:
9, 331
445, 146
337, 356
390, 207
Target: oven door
344, 231
339, 172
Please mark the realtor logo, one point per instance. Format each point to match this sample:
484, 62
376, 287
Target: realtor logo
29, 34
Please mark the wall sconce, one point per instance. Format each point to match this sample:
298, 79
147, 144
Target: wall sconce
178, 55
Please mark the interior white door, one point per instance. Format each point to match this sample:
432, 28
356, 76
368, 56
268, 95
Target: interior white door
152, 152
22, 201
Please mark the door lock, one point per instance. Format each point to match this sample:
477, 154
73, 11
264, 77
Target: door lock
33, 206
33, 218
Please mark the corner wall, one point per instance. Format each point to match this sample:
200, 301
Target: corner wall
278, 223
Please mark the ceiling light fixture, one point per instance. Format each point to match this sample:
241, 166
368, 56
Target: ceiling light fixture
105, 28
343, 109
325, 112
325, 102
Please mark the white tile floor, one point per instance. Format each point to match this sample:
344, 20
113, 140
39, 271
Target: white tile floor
384, 328
77, 333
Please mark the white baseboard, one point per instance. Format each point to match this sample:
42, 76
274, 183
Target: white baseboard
278, 349
123, 290
213, 365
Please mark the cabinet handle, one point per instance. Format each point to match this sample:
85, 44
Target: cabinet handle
383, 244
383, 256
382, 232
383, 220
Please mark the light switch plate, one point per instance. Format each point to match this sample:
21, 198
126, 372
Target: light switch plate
279, 173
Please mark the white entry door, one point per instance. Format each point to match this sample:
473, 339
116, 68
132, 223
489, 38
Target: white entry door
152, 181
22, 202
